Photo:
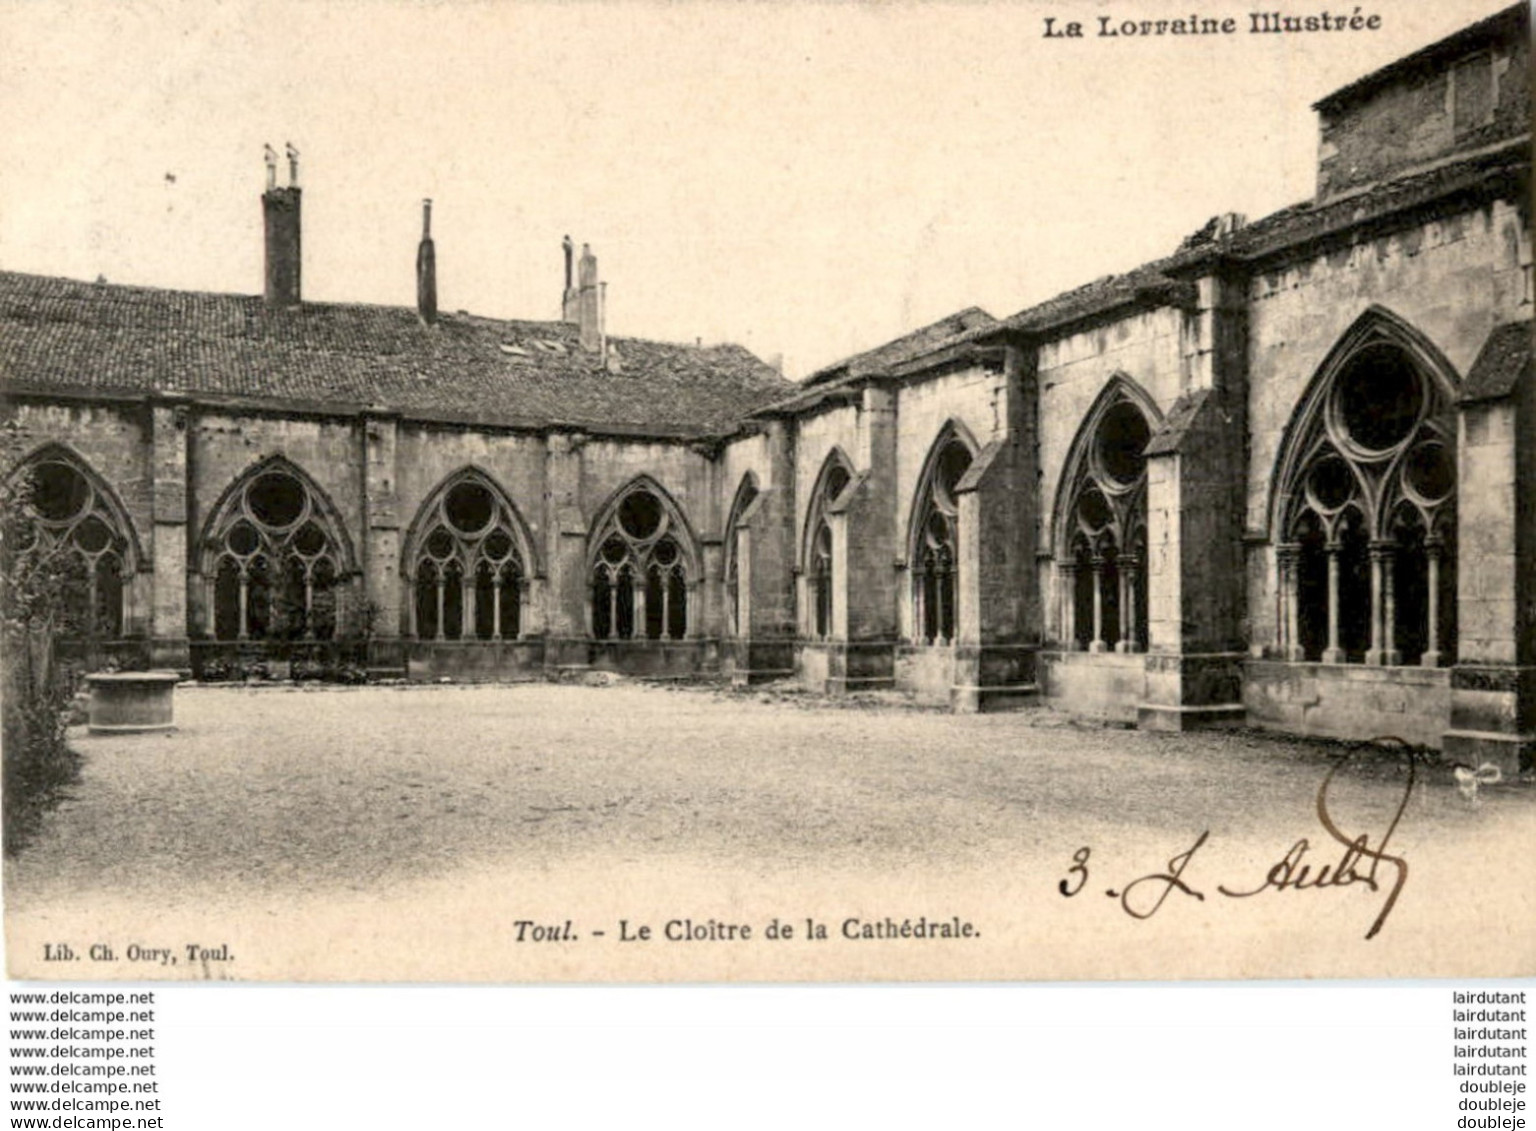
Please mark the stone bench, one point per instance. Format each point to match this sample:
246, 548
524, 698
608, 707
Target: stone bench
130, 702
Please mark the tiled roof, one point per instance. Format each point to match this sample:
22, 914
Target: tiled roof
1165, 281
934, 336
1502, 363
66, 336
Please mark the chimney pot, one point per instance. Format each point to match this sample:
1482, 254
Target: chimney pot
568, 305
426, 269
590, 303
284, 258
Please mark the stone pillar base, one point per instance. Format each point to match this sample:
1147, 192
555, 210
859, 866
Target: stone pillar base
566, 654
1185, 691
863, 665
1152, 717
1493, 716
757, 661
993, 677
173, 654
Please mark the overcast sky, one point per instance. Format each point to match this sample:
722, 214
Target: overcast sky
804, 179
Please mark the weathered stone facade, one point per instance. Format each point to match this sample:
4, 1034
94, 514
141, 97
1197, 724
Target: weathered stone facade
1284, 476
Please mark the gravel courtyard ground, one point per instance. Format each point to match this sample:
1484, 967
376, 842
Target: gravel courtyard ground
411, 826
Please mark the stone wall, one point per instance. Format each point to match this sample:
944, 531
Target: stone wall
1426, 114
1144, 346
1452, 279
1349, 701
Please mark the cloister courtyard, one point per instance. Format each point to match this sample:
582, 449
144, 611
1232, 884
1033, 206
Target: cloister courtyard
402, 832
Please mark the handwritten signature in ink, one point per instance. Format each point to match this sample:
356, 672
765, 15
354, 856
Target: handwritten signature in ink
1297, 870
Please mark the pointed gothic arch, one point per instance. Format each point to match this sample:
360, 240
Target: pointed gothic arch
468, 560
933, 535
77, 512
1098, 523
643, 560
738, 592
275, 557
816, 547
1362, 502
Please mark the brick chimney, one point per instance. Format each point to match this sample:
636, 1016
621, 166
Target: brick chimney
280, 210
568, 306
589, 303
426, 269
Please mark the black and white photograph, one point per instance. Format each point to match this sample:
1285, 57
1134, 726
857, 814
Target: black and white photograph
795, 493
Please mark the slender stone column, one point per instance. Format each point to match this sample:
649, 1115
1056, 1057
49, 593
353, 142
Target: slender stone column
1376, 652
1122, 644
244, 631
442, 583
496, 583
1333, 654
920, 606
1130, 567
1431, 658
1288, 558
1066, 572
469, 595
1389, 653
1097, 643
637, 587
945, 592
613, 607
666, 607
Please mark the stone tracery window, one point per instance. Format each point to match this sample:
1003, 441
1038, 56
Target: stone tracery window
1102, 531
74, 515
640, 574
934, 552
469, 578
738, 598
278, 560
819, 563
1367, 553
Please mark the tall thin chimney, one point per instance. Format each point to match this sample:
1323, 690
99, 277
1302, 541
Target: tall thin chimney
568, 311
426, 269
280, 211
590, 302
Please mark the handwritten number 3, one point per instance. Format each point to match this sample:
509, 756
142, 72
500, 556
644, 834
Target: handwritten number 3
1079, 869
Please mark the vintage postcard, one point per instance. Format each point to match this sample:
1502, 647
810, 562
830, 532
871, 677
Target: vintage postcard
625, 492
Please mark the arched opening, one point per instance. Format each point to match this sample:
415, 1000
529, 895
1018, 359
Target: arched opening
935, 542
272, 549
1354, 556
818, 549
470, 538
453, 601
1365, 484
428, 606
737, 600
821, 580
72, 514
640, 571
1312, 586
1101, 526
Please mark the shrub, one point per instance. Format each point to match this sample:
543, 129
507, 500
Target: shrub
39, 586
